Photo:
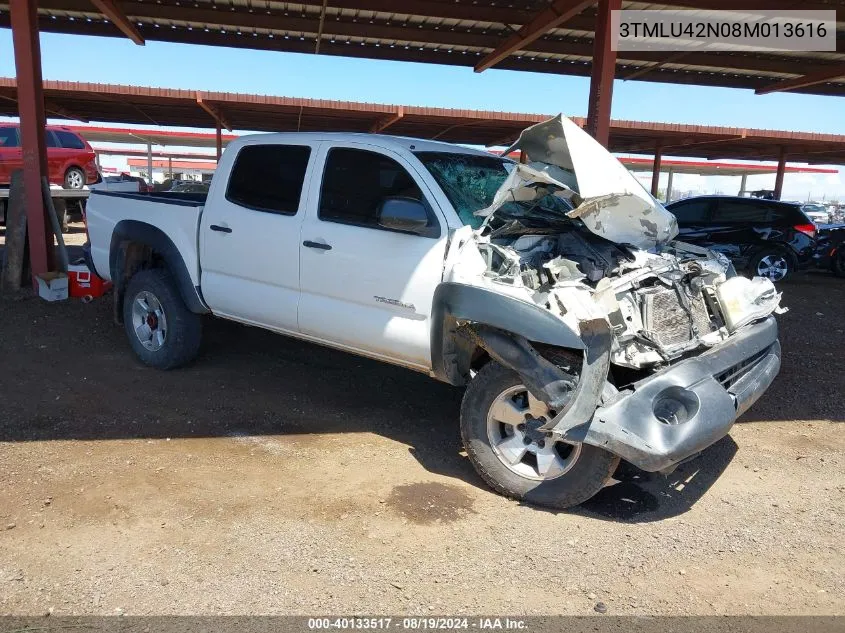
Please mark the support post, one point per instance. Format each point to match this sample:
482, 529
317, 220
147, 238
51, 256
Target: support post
669, 185
150, 164
780, 173
601, 79
743, 183
170, 167
24, 21
655, 170
219, 141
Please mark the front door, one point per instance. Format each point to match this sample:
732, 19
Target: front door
250, 235
366, 287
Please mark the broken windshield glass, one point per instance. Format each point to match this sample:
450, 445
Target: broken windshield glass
471, 183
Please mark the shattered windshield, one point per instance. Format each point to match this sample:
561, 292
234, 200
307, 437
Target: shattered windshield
470, 182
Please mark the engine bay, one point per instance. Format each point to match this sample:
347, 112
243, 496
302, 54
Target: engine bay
661, 304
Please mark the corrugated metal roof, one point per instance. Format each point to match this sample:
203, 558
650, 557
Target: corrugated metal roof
251, 112
436, 31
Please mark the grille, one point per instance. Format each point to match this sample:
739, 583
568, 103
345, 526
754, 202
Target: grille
666, 320
729, 377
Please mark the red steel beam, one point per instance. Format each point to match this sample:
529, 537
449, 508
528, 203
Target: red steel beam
385, 123
215, 113
603, 71
811, 79
117, 17
655, 170
556, 14
779, 175
24, 17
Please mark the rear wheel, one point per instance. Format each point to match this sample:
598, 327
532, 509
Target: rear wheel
162, 331
500, 424
773, 264
74, 178
837, 265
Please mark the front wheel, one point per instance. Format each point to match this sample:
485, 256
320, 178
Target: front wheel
500, 424
162, 331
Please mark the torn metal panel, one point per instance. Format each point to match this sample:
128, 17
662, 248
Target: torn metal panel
615, 205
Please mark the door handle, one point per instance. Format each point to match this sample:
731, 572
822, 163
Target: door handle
320, 245
222, 229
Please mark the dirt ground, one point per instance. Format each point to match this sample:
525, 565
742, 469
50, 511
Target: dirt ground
279, 477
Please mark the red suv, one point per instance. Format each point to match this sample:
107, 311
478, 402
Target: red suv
70, 159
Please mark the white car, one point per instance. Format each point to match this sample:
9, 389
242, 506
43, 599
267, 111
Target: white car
553, 290
818, 213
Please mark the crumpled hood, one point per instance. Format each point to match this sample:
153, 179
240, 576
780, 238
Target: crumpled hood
568, 162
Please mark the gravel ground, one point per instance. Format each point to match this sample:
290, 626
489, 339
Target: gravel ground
278, 477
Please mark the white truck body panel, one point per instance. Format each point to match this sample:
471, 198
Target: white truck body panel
178, 221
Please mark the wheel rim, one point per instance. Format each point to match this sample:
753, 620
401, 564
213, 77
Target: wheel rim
513, 422
774, 267
74, 179
149, 321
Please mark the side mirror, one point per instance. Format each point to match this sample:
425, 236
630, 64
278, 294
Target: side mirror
403, 214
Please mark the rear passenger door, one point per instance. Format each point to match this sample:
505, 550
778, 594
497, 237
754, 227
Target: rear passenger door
250, 235
366, 287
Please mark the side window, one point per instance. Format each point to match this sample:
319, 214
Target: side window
8, 137
786, 214
740, 211
50, 137
692, 212
356, 183
69, 140
269, 178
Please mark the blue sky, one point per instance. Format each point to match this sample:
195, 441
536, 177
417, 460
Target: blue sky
113, 60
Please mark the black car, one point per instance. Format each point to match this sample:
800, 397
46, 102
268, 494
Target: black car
762, 237
830, 250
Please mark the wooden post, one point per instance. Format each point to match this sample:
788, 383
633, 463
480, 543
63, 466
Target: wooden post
14, 270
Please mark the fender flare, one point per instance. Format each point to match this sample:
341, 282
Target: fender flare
451, 353
134, 231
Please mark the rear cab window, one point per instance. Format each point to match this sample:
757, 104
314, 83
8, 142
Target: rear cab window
269, 178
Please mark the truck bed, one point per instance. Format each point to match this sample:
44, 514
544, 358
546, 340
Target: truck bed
175, 216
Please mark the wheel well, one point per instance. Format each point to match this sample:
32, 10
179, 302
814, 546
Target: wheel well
135, 256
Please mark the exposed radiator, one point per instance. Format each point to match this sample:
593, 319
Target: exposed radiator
666, 320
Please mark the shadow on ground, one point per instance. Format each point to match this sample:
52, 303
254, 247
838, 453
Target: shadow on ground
68, 375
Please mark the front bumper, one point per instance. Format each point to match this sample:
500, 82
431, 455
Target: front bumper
709, 391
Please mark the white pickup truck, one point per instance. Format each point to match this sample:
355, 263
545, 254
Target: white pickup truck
552, 288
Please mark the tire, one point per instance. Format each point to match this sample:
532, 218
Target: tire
837, 265
774, 264
586, 468
75, 178
153, 300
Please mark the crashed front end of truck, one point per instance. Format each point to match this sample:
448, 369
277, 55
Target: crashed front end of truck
668, 345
